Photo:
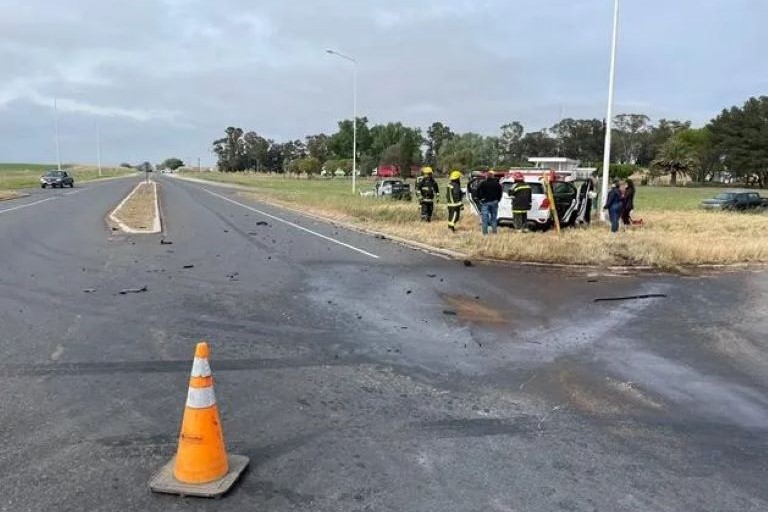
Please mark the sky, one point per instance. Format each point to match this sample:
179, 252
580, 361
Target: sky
162, 78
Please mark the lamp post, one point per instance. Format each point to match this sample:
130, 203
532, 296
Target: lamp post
56, 121
609, 114
354, 112
98, 146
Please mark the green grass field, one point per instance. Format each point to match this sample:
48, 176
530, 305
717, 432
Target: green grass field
292, 189
675, 234
14, 176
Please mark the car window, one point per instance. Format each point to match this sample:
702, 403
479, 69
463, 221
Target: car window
536, 188
724, 197
562, 188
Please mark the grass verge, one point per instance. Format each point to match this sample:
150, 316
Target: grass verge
675, 233
138, 212
17, 176
8, 194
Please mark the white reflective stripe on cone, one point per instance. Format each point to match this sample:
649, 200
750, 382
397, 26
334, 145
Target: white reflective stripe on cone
201, 368
200, 398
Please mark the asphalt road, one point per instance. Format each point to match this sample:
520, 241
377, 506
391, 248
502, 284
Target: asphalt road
360, 375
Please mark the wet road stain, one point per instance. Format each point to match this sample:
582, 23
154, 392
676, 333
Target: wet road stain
474, 310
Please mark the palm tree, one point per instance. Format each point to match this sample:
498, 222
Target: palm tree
675, 158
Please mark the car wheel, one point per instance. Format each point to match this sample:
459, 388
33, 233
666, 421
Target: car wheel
42, 185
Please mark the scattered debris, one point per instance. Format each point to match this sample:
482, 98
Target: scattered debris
114, 228
380, 237
432, 276
90, 290
468, 263
408, 292
163, 241
534, 342
591, 280
226, 231
269, 257
449, 312
126, 291
252, 233
262, 223
188, 266
633, 297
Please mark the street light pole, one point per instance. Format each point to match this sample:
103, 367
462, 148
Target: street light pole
354, 112
609, 114
98, 146
56, 122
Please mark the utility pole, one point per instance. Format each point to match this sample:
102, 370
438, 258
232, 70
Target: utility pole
354, 112
609, 114
56, 121
199, 168
98, 146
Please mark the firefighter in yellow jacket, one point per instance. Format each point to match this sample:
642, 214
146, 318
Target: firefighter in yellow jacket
454, 195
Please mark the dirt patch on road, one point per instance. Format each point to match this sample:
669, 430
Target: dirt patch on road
139, 211
473, 310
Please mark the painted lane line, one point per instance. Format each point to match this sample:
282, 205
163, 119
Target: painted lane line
28, 204
292, 224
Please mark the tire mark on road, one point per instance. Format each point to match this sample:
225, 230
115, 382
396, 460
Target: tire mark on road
172, 366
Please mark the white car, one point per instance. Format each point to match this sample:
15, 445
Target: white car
573, 201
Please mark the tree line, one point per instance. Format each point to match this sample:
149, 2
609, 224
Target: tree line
735, 142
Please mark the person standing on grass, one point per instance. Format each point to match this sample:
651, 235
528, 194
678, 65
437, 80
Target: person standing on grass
614, 204
454, 196
427, 192
628, 203
489, 194
522, 200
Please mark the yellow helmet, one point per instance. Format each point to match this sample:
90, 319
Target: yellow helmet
455, 175
426, 170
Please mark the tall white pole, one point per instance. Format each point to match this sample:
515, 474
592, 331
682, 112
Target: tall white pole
354, 125
56, 122
609, 114
354, 112
98, 146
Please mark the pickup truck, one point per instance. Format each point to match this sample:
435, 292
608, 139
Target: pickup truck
735, 200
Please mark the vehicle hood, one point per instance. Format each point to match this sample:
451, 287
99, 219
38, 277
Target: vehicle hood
714, 202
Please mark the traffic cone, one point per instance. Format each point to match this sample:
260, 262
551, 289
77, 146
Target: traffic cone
201, 466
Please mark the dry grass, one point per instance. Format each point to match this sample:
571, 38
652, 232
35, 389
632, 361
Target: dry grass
8, 194
674, 235
16, 176
138, 213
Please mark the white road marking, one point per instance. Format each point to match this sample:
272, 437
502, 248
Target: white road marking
27, 205
293, 225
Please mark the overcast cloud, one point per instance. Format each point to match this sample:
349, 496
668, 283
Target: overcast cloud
164, 78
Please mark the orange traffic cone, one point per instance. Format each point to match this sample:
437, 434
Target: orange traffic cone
201, 466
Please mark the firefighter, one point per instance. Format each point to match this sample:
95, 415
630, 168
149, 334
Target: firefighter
426, 191
521, 202
454, 196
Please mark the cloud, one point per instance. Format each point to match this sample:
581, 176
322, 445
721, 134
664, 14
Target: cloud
167, 76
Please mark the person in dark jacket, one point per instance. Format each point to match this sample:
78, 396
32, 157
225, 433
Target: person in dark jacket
454, 195
613, 204
489, 194
522, 200
628, 203
427, 192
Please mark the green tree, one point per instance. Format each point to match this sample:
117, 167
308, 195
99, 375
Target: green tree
707, 156
631, 132
658, 135
675, 158
741, 137
230, 150
538, 144
340, 143
511, 145
468, 152
171, 163
255, 148
580, 139
401, 144
437, 135
309, 166
317, 146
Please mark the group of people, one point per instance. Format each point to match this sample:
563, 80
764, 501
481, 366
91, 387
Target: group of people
620, 203
488, 194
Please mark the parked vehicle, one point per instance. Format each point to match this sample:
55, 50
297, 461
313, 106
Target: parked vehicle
735, 200
572, 200
396, 189
57, 179
387, 171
